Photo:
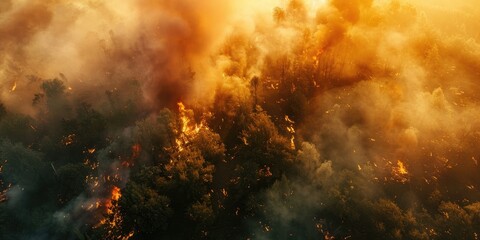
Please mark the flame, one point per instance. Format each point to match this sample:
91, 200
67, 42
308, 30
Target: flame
116, 193
291, 130
108, 206
128, 236
400, 172
401, 168
114, 219
14, 87
189, 129
287, 119
68, 140
111, 205
183, 118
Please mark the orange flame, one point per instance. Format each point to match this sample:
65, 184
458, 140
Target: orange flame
400, 172
188, 128
14, 87
116, 193
401, 169
291, 130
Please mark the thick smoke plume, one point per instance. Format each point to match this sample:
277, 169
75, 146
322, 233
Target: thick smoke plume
94, 44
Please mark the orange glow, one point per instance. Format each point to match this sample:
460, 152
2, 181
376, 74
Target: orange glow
136, 149
290, 129
68, 140
292, 143
401, 168
116, 193
14, 87
188, 129
388, 87
400, 172
185, 120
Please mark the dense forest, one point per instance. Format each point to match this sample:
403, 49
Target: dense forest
276, 120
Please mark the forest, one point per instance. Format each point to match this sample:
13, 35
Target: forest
275, 119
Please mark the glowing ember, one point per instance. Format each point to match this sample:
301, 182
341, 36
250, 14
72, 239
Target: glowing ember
68, 140
401, 168
291, 130
400, 172
116, 193
14, 87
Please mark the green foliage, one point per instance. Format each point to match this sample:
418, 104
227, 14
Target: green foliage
72, 179
190, 175
265, 147
178, 187
201, 212
89, 128
22, 166
145, 210
454, 222
210, 146
17, 128
154, 135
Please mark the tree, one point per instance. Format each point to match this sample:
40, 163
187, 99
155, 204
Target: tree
263, 145
22, 166
18, 128
156, 134
453, 222
56, 105
145, 210
473, 211
210, 146
71, 179
53, 88
89, 128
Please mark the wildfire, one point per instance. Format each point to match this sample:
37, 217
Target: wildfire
400, 172
185, 120
116, 193
188, 128
113, 219
68, 140
401, 168
112, 202
291, 130
108, 201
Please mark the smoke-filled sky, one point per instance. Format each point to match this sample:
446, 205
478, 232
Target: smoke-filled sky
354, 118
97, 43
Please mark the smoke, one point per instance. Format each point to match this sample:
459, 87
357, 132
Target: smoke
400, 98
96, 45
394, 95
381, 99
